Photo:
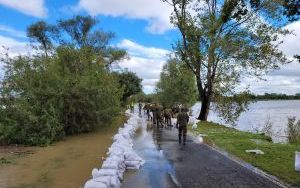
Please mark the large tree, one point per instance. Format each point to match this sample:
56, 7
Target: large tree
223, 41
176, 84
130, 83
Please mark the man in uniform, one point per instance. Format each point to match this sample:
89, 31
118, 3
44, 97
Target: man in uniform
147, 109
182, 121
168, 116
159, 115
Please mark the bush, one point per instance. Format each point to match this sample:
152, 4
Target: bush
62, 89
45, 99
293, 130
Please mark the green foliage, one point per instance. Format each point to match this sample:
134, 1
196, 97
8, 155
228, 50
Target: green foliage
176, 85
293, 130
42, 33
278, 159
44, 98
230, 107
275, 96
225, 41
130, 82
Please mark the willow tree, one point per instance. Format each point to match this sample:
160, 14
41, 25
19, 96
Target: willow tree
225, 41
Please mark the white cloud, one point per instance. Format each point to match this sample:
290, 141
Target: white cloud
141, 51
287, 78
14, 47
291, 44
11, 31
34, 8
146, 62
155, 12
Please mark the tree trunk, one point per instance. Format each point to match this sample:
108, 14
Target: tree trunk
205, 104
205, 97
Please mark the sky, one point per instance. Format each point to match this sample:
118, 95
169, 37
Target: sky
142, 28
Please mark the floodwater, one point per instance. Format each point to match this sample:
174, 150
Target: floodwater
275, 112
66, 164
157, 171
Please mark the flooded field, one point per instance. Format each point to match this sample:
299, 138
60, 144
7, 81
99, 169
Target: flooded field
65, 164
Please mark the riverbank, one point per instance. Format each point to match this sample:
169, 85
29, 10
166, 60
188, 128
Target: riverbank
66, 163
278, 159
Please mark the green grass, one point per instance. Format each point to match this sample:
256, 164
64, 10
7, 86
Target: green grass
278, 160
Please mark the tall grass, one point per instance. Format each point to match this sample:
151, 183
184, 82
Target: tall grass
293, 130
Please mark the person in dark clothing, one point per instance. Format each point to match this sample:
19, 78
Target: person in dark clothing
140, 108
168, 116
147, 109
182, 121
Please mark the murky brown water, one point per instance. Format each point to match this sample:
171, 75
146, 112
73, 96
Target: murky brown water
66, 164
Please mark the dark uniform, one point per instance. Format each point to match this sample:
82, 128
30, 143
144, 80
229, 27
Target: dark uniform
159, 116
147, 109
140, 108
167, 116
182, 121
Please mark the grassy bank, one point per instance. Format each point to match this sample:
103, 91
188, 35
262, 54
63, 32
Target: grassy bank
278, 159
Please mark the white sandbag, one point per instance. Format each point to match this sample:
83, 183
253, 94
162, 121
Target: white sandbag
112, 170
95, 173
104, 179
116, 151
132, 163
297, 161
200, 139
115, 182
132, 156
115, 166
133, 167
107, 172
93, 184
118, 136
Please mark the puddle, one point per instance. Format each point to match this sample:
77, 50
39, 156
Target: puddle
157, 171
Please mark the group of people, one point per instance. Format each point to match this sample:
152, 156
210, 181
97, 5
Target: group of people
161, 117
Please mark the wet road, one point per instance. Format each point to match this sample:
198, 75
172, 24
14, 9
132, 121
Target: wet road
169, 164
157, 172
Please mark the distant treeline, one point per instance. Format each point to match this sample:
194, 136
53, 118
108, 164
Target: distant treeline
276, 96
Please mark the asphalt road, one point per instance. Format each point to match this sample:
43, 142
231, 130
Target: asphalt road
198, 165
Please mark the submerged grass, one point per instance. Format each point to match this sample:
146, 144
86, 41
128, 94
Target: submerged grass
278, 160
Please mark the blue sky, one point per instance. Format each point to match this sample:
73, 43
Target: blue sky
141, 26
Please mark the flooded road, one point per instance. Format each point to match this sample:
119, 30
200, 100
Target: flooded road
66, 164
157, 170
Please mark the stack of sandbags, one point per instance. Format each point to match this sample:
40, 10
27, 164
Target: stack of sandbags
132, 160
121, 156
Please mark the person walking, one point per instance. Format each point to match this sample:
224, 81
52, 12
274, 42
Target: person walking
182, 121
140, 108
168, 116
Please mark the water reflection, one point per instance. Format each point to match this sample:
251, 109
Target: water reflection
157, 170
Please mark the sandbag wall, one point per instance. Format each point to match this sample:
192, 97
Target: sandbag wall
121, 156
